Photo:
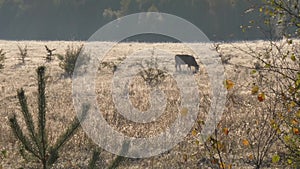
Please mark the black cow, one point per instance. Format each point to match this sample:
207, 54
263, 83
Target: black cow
186, 60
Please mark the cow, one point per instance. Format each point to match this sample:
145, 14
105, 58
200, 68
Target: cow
186, 60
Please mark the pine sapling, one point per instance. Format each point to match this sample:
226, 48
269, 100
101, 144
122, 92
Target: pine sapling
36, 141
2, 58
23, 53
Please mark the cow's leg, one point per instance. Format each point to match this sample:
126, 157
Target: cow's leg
178, 67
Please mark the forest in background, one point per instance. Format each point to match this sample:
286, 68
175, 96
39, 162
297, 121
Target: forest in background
220, 20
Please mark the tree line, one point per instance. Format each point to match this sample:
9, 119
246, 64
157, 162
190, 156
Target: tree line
78, 19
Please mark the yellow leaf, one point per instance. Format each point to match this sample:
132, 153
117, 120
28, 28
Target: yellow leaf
298, 114
296, 131
295, 122
245, 142
286, 138
275, 158
250, 157
254, 89
274, 124
292, 104
261, 97
201, 122
184, 111
229, 84
194, 133
220, 146
278, 131
222, 165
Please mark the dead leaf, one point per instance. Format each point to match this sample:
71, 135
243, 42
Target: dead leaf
229, 84
261, 97
226, 131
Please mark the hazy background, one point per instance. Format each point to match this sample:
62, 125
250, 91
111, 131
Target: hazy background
220, 20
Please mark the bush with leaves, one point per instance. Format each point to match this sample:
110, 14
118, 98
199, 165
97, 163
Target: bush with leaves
2, 58
279, 74
36, 141
68, 61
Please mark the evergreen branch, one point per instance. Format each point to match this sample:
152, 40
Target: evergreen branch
27, 116
19, 134
42, 109
53, 156
95, 158
119, 159
71, 130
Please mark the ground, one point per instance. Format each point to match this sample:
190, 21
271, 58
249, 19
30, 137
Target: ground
189, 153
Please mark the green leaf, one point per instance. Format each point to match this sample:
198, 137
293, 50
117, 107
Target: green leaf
253, 72
289, 161
267, 65
293, 57
275, 158
255, 89
4, 153
297, 83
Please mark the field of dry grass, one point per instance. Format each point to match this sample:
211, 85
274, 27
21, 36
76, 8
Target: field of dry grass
60, 110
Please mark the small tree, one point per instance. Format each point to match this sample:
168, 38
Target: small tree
36, 142
23, 53
2, 58
49, 53
151, 73
68, 61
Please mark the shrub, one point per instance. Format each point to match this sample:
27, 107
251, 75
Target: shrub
36, 141
279, 74
68, 61
151, 74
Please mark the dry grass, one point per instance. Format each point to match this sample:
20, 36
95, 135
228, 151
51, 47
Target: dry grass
78, 151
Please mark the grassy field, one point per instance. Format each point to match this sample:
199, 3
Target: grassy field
242, 109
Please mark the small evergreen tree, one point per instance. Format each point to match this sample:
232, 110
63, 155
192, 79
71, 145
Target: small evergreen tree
36, 141
68, 61
23, 53
2, 58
